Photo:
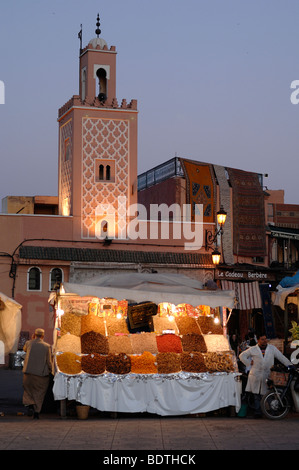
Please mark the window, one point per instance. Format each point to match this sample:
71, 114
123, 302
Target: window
105, 170
102, 77
56, 278
101, 172
108, 173
34, 277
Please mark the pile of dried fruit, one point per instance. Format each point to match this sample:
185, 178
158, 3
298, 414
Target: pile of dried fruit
208, 326
162, 324
120, 344
216, 343
69, 343
93, 363
168, 363
216, 362
92, 342
193, 362
70, 323
69, 363
118, 363
169, 343
144, 342
194, 342
144, 364
116, 325
92, 322
187, 325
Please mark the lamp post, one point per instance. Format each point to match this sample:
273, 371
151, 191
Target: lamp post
211, 239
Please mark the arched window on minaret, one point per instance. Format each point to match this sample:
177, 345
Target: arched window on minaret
102, 77
108, 174
101, 172
104, 228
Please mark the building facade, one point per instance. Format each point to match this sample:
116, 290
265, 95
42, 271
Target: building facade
91, 227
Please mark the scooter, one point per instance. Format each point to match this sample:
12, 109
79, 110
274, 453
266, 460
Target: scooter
277, 403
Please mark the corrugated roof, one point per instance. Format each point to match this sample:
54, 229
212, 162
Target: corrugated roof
112, 256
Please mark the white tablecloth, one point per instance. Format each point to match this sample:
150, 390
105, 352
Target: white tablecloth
174, 394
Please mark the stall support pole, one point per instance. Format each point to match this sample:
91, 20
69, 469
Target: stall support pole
286, 323
224, 320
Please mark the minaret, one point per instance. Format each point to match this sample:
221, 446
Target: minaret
97, 148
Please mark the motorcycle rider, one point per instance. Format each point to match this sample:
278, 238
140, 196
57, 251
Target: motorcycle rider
261, 358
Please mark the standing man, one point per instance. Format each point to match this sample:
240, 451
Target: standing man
37, 367
261, 358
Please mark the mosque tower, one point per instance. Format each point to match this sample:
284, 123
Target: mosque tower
97, 148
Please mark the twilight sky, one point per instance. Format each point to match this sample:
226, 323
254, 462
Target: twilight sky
212, 79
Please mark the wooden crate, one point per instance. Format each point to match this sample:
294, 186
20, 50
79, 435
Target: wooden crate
279, 378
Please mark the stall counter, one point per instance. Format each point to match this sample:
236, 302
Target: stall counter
171, 394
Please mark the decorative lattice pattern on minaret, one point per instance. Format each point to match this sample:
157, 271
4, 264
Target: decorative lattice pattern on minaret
104, 139
66, 167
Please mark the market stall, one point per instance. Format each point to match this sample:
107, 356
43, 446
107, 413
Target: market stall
144, 343
10, 326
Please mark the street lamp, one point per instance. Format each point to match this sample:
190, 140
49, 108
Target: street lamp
216, 257
211, 239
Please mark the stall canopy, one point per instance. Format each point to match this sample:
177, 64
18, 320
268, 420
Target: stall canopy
281, 293
152, 287
248, 294
10, 323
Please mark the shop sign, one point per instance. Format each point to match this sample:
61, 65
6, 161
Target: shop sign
233, 275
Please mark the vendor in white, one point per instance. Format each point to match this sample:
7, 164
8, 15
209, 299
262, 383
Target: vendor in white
261, 358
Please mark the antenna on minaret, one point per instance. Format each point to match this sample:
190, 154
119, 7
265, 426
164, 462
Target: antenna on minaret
80, 37
98, 31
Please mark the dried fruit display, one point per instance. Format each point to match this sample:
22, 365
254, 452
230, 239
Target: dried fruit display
187, 325
169, 343
194, 342
216, 343
120, 344
144, 364
92, 342
193, 362
92, 322
93, 363
168, 363
217, 362
207, 325
69, 343
144, 342
118, 363
116, 325
70, 323
69, 363
162, 324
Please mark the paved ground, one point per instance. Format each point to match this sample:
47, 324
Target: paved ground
130, 433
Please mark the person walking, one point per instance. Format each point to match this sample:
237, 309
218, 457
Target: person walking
260, 358
37, 368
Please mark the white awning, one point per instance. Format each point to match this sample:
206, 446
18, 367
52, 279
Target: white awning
153, 287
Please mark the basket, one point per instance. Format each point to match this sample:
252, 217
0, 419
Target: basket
82, 411
279, 378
